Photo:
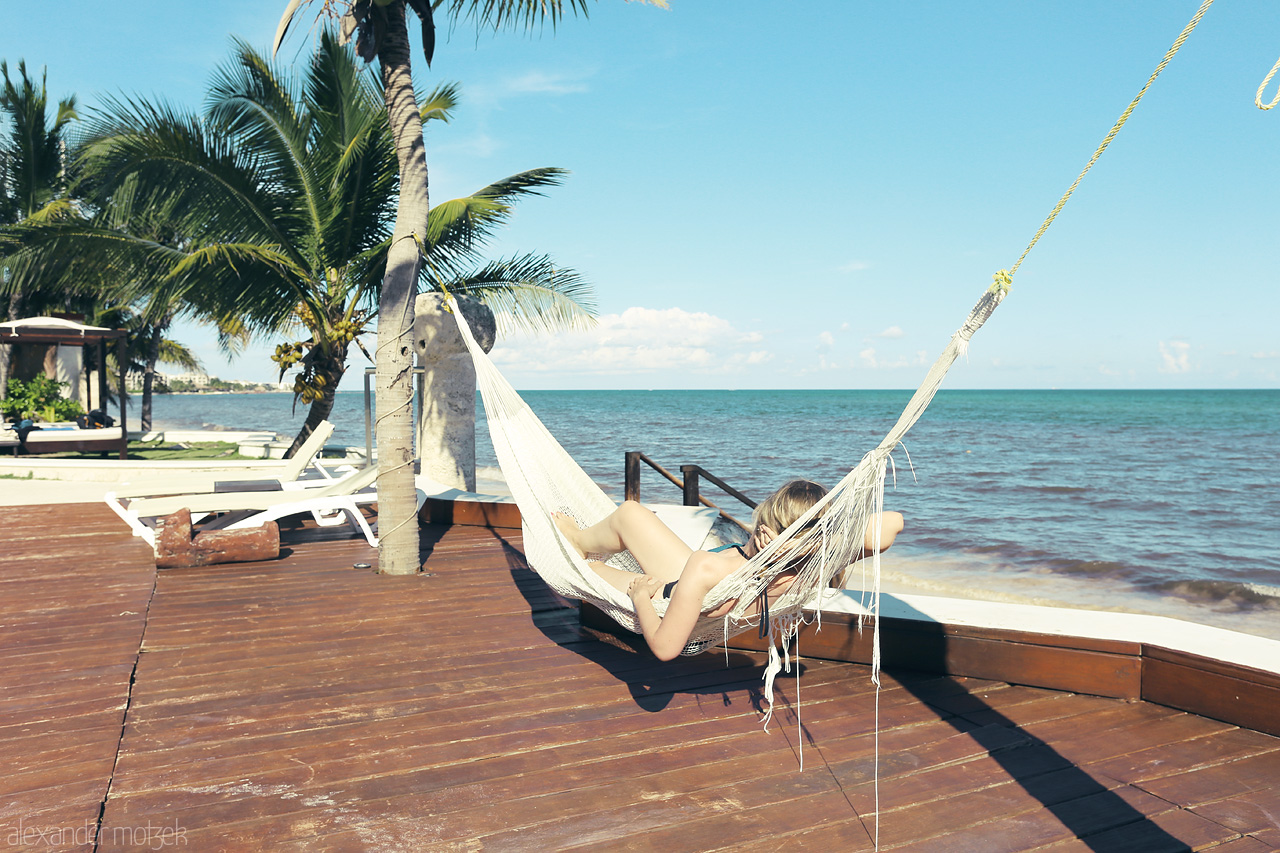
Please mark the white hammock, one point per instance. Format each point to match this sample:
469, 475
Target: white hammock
543, 479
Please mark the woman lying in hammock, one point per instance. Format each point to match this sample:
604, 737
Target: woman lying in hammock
684, 576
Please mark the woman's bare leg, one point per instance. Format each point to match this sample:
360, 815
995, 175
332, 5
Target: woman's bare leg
618, 578
632, 528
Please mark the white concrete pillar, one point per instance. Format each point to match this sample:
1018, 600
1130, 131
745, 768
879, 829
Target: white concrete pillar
447, 433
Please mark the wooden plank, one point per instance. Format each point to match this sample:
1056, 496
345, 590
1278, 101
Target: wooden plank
1248, 813
470, 513
1217, 782
1101, 668
1170, 832
300, 704
1167, 759
1244, 845
1212, 693
1200, 662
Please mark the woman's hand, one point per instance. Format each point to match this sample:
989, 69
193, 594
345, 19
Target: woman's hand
644, 587
763, 535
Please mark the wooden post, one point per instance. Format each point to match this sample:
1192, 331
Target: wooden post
690, 473
631, 477
123, 363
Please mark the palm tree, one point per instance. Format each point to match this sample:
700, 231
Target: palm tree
33, 178
284, 191
33, 159
381, 31
146, 346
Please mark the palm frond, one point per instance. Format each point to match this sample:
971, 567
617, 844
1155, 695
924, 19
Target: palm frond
462, 226
260, 111
33, 150
179, 355
199, 177
500, 14
439, 104
352, 148
529, 293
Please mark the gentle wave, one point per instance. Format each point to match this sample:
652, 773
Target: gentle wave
1242, 595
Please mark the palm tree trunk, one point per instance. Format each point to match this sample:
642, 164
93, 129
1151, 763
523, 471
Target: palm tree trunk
320, 409
149, 376
397, 498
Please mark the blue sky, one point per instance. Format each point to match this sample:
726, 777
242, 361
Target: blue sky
814, 194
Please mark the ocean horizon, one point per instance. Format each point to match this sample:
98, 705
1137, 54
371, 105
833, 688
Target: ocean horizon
1154, 501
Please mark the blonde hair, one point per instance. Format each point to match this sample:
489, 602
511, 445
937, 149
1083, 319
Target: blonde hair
788, 503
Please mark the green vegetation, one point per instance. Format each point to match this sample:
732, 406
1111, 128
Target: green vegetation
157, 450
196, 450
41, 398
271, 212
181, 386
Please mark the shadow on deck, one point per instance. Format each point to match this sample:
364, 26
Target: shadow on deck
303, 704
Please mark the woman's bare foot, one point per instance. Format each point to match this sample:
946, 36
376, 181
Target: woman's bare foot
569, 528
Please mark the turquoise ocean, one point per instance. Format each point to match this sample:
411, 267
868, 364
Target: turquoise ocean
1163, 502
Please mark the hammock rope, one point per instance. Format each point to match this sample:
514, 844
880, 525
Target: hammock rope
1257, 99
823, 542
543, 479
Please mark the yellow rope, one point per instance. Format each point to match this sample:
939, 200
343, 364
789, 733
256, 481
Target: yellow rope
1257, 99
1186, 31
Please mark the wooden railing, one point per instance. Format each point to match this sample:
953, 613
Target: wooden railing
690, 485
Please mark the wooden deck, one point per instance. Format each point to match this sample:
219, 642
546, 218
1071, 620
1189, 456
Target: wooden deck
305, 705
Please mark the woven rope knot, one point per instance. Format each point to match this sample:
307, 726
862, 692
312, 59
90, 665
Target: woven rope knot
1001, 283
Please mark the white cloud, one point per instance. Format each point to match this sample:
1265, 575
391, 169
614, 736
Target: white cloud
854, 266
892, 332
1176, 356
639, 340
1261, 355
543, 83
825, 342
532, 82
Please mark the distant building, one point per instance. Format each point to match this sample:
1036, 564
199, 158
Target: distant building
195, 380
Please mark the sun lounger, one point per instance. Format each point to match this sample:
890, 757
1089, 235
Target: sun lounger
267, 476
693, 525
64, 438
335, 503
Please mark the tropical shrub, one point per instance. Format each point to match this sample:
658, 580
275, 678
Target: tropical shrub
40, 397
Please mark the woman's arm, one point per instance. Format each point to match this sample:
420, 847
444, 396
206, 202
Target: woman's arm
890, 523
668, 635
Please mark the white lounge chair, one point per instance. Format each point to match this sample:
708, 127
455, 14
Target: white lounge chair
276, 474
335, 503
691, 524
